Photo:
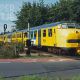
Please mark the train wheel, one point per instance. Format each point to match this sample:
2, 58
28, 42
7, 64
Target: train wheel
49, 50
72, 52
54, 51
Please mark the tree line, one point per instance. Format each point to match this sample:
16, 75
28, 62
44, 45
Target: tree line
39, 13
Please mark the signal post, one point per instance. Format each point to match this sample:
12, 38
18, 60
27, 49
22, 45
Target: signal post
28, 42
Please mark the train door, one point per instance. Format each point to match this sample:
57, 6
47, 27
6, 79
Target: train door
9, 38
54, 37
39, 37
22, 37
25, 37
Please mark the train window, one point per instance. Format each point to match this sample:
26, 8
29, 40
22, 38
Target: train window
14, 36
50, 32
9, 36
4, 37
1, 37
35, 34
78, 26
18, 35
64, 26
44, 33
31, 35
25, 35
70, 25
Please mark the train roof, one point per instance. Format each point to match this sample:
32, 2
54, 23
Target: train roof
46, 25
42, 26
7, 33
50, 25
39, 27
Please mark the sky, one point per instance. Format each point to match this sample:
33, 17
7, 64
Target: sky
8, 8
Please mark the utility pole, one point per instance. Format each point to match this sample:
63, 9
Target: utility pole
28, 42
28, 30
5, 27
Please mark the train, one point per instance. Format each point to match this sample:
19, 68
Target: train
57, 37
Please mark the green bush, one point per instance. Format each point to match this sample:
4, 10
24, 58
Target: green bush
10, 50
20, 47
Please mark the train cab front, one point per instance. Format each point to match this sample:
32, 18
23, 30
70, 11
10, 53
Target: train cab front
73, 39
69, 34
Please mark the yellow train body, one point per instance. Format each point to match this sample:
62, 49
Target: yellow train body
1, 38
59, 37
51, 35
15, 37
19, 37
48, 40
68, 38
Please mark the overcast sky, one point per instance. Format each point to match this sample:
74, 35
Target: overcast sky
9, 7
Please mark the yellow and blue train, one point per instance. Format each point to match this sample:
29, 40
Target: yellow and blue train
58, 37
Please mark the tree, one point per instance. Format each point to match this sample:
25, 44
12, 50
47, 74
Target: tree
35, 13
62, 10
23, 16
39, 13
76, 10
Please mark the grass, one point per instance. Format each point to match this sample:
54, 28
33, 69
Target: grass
42, 78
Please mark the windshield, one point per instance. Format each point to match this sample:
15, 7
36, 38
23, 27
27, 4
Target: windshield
70, 25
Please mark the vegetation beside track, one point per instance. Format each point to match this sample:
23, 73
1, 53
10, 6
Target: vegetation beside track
10, 50
17, 51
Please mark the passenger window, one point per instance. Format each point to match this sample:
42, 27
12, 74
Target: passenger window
16, 35
13, 36
50, 32
35, 34
25, 35
4, 37
9, 36
19, 35
44, 33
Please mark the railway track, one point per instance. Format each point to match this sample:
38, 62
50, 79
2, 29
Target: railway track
44, 52
40, 52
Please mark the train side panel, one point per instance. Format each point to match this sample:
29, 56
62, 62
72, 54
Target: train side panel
1, 38
19, 37
63, 35
13, 38
5, 38
48, 36
36, 43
